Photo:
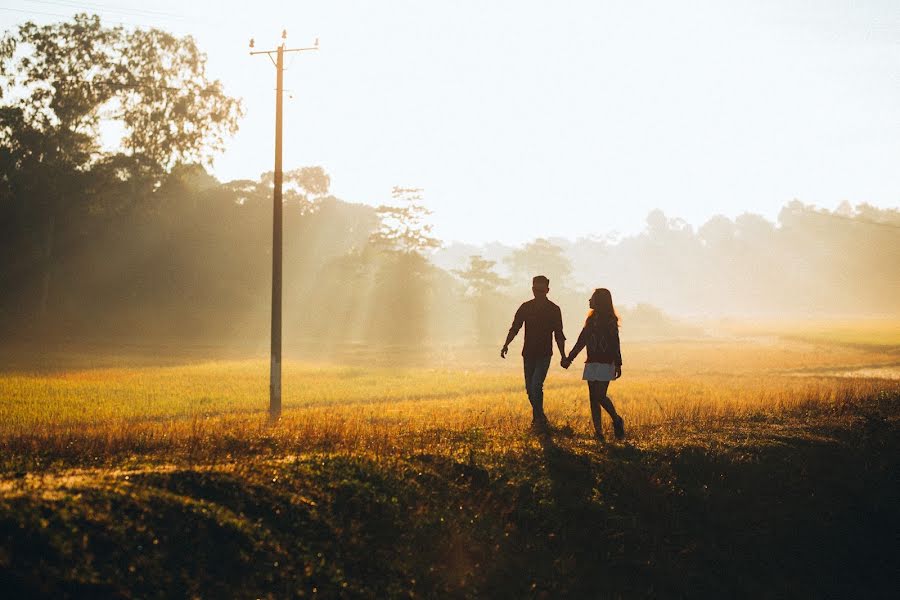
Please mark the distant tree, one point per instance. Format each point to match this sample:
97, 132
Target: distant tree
480, 278
482, 286
403, 226
541, 257
667, 254
304, 188
717, 233
403, 279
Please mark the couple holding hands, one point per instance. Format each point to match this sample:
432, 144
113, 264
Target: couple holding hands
600, 335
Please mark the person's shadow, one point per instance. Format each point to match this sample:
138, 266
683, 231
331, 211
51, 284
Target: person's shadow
591, 515
572, 476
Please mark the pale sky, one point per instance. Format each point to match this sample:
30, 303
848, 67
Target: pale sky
540, 119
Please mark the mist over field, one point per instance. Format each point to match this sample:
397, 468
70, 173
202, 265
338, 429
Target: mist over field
190, 260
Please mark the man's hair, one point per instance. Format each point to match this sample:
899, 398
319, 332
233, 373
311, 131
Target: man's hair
540, 280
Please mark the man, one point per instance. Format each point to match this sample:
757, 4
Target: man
543, 321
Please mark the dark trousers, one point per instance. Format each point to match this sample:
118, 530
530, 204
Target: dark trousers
597, 393
535, 373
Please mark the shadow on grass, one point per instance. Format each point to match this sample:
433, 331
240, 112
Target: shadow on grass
814, 515
807, 515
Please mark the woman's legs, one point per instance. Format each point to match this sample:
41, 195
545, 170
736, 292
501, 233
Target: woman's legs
597, 395
618, 422
606, 403
597, 392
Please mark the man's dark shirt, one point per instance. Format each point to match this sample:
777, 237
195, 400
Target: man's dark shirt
542, 318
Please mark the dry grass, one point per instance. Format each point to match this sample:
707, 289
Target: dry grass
883, 333
215, 411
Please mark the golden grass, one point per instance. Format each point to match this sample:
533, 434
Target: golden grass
873, 332
217, 410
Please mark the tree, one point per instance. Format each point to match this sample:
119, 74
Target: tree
482, 285
50, 133
304, 188
60, 81
402, 282
541, 257
172, 113
480, 278
403, 227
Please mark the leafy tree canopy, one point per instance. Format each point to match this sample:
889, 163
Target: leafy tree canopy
62, 80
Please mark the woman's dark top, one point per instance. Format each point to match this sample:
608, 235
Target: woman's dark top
601, 338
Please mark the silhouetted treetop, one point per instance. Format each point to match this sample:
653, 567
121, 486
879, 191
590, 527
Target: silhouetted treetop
403, 225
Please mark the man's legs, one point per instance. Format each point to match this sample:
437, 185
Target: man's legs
535, 374
529, 364
529, 370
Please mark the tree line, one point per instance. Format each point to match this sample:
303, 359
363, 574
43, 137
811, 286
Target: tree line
811, 261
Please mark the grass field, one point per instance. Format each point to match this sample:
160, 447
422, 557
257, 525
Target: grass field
871, 333
752, 467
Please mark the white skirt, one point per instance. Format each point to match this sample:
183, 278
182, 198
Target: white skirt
599, 371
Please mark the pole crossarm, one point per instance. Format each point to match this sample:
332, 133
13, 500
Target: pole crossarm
285, 50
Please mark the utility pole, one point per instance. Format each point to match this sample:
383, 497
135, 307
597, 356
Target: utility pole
275, 365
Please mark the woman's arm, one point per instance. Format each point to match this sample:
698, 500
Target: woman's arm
618, 350
617, 345
582, 340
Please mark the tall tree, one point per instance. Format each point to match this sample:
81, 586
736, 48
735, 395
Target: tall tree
59, 82
171, 111
49, 121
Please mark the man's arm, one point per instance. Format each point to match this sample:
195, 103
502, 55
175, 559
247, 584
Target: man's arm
558, 334
513, 330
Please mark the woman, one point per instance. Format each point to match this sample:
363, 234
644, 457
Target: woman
604, 358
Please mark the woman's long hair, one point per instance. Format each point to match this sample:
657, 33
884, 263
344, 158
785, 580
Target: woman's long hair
603, 307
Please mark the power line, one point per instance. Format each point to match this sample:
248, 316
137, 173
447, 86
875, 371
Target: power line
152, 18
35, 12
128, 11
50, 14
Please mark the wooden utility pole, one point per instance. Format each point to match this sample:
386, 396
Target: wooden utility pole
275, 365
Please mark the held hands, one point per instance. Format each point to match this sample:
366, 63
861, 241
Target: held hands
565, 362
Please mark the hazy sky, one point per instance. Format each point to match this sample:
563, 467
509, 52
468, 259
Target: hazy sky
526, 119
